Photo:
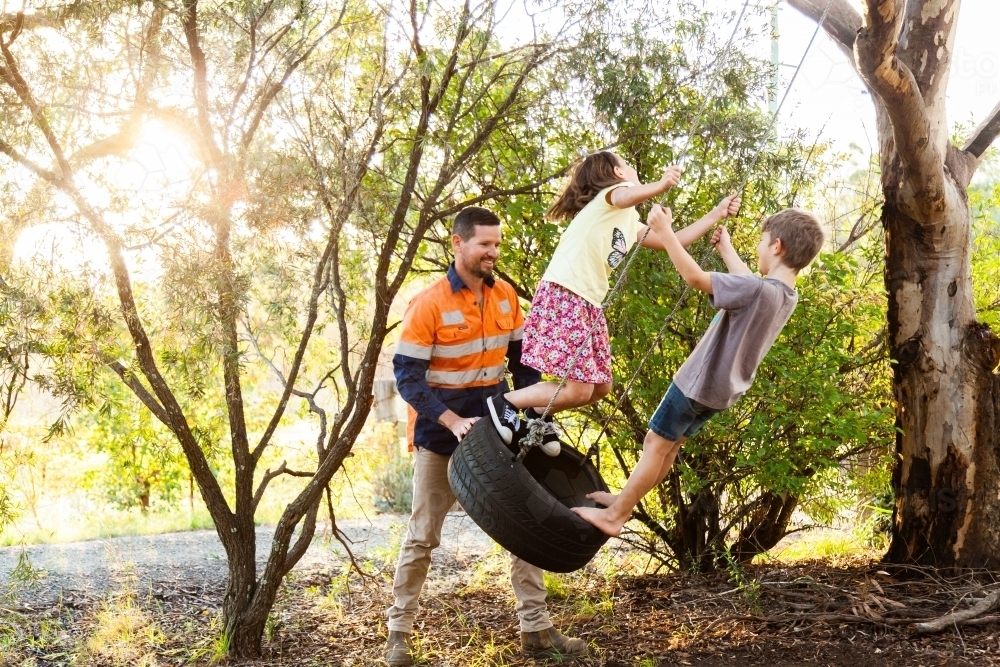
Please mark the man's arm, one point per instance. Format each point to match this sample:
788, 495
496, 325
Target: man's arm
411, 383
728, 207
659, 220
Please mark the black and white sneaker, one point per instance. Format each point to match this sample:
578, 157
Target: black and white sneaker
550, 436
505, 418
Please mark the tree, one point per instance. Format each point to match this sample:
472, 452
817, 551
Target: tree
947, 474
334, 134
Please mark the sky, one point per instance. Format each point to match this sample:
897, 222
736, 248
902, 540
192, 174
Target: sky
829, 93
828, 96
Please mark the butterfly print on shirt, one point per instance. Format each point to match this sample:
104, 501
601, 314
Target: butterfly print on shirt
619, 248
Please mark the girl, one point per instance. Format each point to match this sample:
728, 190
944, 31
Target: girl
599, 200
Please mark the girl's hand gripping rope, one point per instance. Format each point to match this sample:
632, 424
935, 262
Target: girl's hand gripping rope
728, 207
671, 177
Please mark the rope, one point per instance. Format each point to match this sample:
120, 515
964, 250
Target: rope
534, 436
594, 448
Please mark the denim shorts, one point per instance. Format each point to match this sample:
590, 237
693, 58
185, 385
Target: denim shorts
679, 416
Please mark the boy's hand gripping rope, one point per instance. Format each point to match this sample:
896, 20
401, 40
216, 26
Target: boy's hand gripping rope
594, 448
534, 436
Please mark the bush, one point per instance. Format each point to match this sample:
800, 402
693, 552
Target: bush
392, 486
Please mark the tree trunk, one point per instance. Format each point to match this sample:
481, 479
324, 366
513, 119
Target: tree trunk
945, 389
244, 625
946, 480
766, 524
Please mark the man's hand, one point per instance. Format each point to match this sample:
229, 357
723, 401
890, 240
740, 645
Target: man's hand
459, 426
660, 220
728, 207
671, 177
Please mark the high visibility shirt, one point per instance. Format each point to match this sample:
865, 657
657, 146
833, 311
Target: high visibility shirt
451, 353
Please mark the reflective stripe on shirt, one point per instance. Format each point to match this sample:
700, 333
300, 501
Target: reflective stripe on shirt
414, 350
471, 347
457, 378
452, 317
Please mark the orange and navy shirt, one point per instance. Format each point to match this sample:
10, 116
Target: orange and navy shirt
451, 354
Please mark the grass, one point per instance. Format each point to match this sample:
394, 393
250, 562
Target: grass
66, 510
819, 544
490, 569
111, 524
124, 634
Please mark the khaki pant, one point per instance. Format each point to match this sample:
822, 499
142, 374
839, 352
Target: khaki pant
432, 498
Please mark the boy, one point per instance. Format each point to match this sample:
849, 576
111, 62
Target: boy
753, 311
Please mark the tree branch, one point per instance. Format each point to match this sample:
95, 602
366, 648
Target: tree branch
926, 46
842, 21
139, 389
984, 135
37, 169
298, 550
190, 22
937, 625
11, 75
328, 260
879, 65
274, 89
268, 476
310, 398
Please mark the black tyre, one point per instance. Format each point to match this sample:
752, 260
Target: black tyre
525, 506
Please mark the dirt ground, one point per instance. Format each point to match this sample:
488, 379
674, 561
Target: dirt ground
850, 614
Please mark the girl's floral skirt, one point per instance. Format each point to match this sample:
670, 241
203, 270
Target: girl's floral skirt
558, 326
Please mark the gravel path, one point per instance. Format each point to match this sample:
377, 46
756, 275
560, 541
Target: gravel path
82, 571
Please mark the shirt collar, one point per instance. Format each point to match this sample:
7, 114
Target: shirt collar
456, 282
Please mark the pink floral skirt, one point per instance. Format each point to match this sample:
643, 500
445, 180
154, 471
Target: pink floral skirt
558, 326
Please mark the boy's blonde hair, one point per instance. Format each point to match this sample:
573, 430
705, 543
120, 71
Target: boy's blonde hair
800, 233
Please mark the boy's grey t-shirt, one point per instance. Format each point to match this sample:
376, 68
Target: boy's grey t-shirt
723, 365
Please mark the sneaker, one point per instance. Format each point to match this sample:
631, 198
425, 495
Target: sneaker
550, 436
505, 418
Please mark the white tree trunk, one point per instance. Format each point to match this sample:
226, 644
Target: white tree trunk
947, 478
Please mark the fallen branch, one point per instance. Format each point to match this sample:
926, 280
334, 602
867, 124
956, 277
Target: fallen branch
937, 625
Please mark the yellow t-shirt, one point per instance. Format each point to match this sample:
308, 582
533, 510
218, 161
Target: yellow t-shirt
595, 242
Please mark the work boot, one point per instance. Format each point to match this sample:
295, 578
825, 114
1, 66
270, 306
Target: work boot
549, 643
399, 649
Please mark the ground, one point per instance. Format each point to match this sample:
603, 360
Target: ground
155, 601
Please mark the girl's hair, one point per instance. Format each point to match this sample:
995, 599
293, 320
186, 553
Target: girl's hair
593, 174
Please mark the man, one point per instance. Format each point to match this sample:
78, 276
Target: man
449, 359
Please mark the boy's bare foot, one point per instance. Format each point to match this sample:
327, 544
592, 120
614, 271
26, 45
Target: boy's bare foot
601, 519
603, 497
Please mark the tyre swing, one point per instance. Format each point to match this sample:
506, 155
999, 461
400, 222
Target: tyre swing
524, 503
523, 499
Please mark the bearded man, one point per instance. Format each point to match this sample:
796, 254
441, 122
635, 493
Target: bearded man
449, 360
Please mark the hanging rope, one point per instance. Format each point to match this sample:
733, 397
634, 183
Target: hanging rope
594, 448
535, 426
